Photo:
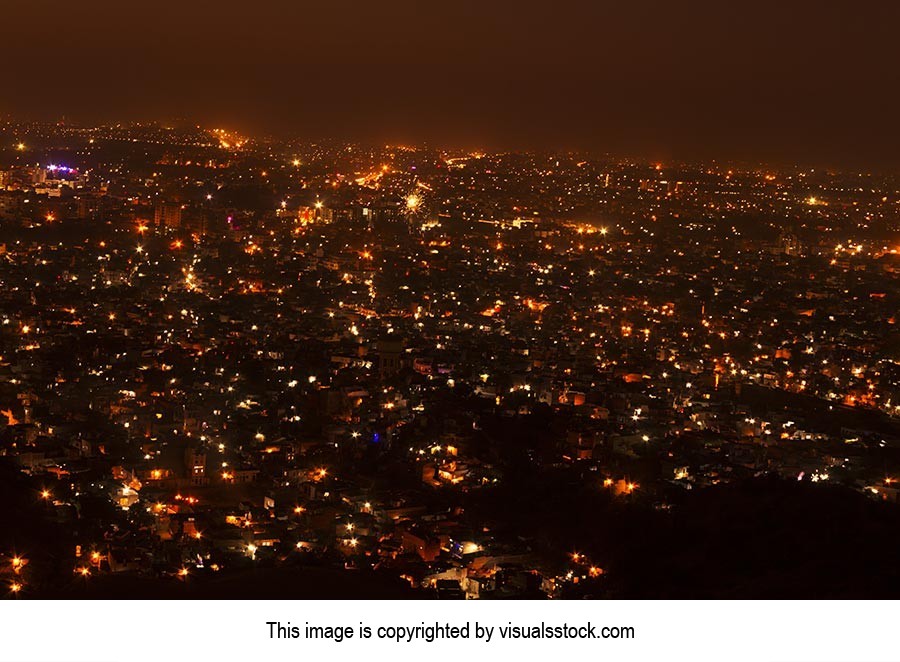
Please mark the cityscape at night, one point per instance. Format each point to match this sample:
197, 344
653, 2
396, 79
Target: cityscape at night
408, 301
243, 367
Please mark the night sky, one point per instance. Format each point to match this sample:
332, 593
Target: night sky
787, 81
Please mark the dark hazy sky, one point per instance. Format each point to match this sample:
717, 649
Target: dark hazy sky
787, 80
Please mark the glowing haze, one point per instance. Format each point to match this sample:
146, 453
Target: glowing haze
798, 81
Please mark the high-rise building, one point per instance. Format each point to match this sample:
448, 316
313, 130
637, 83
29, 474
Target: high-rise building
389, 351
167, 215
195, 464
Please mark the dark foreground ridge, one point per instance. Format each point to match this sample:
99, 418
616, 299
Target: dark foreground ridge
758, 539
